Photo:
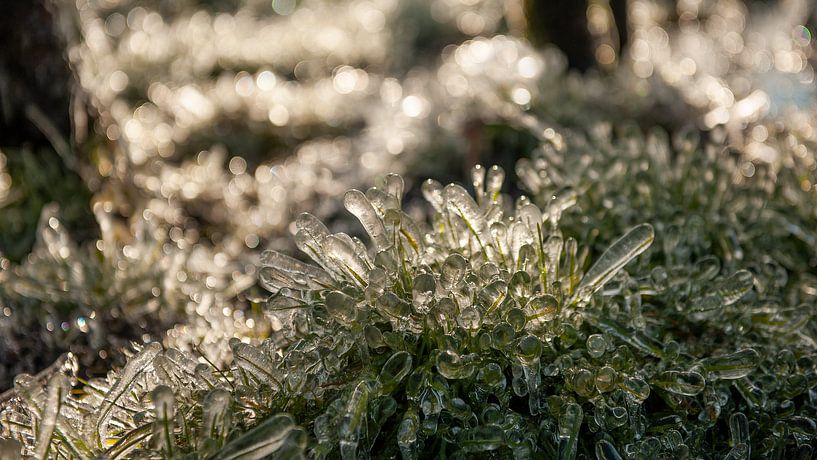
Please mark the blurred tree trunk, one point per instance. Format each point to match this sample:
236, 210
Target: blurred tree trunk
35, 79
564, 23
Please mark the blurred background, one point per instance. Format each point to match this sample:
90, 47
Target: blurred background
165, 143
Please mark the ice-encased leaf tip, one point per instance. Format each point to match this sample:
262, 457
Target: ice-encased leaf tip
733, 365
622, 251
56, 390
216, 414
268, 439
356, 203
126, 379
282, 271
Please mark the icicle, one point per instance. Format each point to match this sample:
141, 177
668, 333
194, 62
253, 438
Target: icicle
739, 433
529, 350
30, 390
553, 250
558, 203
499, 240
453, 366
570, 270
606, 451
735, 287
541, 308
530, 216
453, 271
411, 233
382, 201
311, 239
636, 339
170, 372
341, 307
422, 292
204, 373
481, 438
407, 435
